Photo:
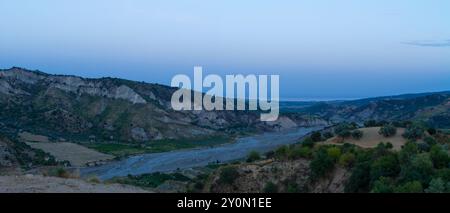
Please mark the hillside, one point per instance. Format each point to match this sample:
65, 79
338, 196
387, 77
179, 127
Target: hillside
432, 108
110, 109
371, 138
364, 165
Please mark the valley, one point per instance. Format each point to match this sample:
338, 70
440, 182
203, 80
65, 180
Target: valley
98, 135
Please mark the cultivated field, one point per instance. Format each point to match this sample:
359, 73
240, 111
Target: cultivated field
76, 154
29, 137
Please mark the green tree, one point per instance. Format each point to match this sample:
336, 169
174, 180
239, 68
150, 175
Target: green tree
270, 187
436, 186
386, 166
430, 140
299, 152
414, 132
334, 153
343, 130
308, 142
444, 174
321, 164
419, 169
253, 156
359, 179
357, 134
328, 135
383, 185
431, 131
281, 152
409, 187
316, 136
347, 159
345, 133
439, 156
387, 130
408, 151
370, 123
293, 188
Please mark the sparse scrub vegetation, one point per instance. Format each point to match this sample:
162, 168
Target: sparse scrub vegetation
228, 175
253, 156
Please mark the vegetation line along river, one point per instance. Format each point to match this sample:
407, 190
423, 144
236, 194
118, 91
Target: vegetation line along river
184, 159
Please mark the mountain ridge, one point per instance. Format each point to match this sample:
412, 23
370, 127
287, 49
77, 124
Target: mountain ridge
114, 109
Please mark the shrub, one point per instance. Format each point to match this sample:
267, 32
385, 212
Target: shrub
357, 134
347, 159
444, 174
345, 133
387, 130
436, 186
343, 130
316, 136
293, 188
270, 154
328, 135
430, 140
431, 131
299, 152
370, 123
385, 166
321, 164
94, 180
389, 145
308, 142
253, 156
58, 172
359, 179
408, 151
270, 187
383, 185
409, 187
334, 153
380, 150
423, 147
419, 169
439, 157
413, 132
228, 175
281, 152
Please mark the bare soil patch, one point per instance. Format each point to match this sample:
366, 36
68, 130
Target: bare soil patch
371, 139
41, 184
30, 137
76, 154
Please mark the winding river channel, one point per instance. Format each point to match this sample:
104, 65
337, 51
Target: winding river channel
190, 158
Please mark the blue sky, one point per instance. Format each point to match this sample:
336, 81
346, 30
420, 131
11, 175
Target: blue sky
321, 49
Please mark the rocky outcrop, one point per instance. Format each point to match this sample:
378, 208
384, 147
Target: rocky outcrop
139, 134
80, 86
22, 75
72, 84
332, 183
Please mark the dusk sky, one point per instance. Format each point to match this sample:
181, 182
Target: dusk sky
322, 49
